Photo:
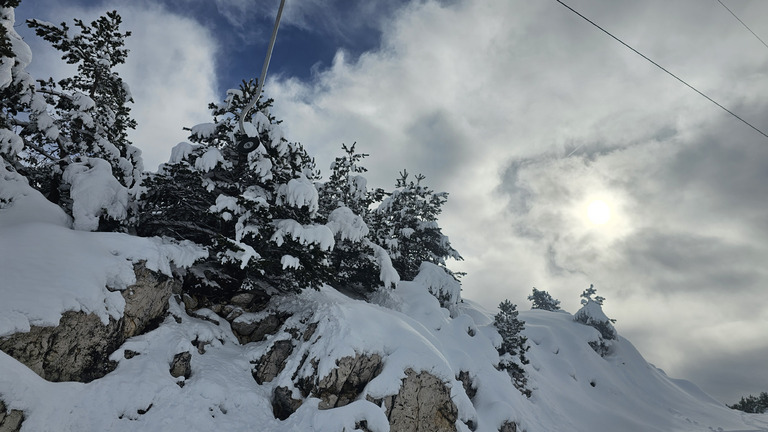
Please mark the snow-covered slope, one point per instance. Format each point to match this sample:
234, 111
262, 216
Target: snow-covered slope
47, 269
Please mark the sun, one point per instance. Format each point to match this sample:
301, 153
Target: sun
598, 212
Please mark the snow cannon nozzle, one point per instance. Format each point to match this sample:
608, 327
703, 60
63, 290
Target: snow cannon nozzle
247, 144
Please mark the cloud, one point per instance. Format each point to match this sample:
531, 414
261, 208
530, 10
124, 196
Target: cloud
526, 114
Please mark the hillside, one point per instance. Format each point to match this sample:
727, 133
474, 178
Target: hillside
373, 350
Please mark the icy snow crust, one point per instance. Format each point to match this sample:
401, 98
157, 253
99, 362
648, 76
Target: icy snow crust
48, 268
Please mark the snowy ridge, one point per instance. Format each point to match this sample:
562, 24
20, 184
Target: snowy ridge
409, 330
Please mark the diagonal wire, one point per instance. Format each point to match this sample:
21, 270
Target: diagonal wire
743, 23
662, 68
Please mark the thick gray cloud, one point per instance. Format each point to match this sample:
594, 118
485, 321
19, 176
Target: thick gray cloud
526, 114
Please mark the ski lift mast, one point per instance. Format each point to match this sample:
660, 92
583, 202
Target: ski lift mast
248, 144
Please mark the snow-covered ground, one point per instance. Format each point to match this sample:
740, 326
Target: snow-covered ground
46, 268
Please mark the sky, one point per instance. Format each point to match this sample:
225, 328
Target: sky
527, 115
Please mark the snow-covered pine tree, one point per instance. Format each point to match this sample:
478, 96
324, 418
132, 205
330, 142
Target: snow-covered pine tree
257, 212
591, 314
358, 265
513, 345
76, 150
752, 404
541, 299
405, 224
15, 84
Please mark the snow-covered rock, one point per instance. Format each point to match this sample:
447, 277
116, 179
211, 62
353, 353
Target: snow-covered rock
10, 421
78, 348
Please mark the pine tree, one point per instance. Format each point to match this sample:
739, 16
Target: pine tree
752, 404
16, 85
405, 224
257, 212
74, 131
513, 345
542, 300
591, 314
358, 265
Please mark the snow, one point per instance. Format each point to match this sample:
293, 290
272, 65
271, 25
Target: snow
208, 160
204, 130
224, 202
591, 312
181, 152
288, 261
11, 68
439, 282
244, 255
387, 273
94, 192
346, 225
82, 102
10, 143
20, 203
299, 192
320, 235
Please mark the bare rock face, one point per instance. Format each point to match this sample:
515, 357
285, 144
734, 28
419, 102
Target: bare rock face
146, 301
257, 331
345, 383
466, 382
508, 426
78, 349
423, 404
181, 365
10, 421
283, 403
273, 362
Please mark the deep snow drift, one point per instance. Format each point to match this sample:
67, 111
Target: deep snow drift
46, 268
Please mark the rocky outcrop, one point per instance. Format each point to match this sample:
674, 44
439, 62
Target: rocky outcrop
423, 404
345, 383
181, 366
466, 382
78, 349
508, 426
273, 362
257, 330
283, 403
10, 421
146, 301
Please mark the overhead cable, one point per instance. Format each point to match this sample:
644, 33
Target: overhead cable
663, 68
743, 23
265, 66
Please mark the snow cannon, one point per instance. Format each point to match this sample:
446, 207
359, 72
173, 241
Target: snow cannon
247, 144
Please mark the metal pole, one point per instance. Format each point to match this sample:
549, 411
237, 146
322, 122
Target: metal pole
264, 68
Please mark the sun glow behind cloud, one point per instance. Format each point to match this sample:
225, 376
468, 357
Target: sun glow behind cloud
598, 212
